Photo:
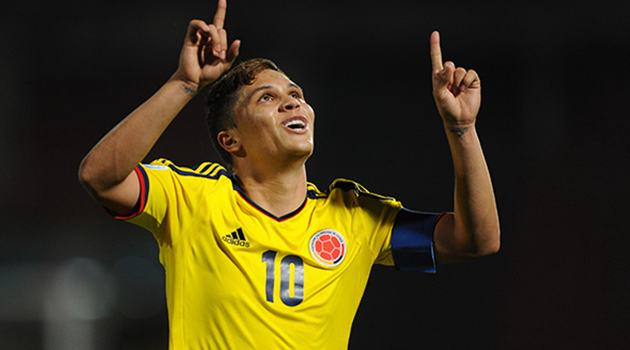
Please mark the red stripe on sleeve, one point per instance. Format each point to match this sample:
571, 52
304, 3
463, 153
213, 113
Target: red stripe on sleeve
142, 201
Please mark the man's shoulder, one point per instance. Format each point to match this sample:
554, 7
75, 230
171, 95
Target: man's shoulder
205, 170
200, 180
345, 187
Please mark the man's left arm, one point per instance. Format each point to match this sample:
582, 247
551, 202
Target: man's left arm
472, 230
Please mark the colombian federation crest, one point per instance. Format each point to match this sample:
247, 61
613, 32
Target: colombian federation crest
328, 247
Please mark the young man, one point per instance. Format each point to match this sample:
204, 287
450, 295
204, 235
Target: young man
256, 257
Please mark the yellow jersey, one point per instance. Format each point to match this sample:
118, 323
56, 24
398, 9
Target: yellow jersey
240, 278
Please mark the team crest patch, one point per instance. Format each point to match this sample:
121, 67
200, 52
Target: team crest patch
328, 247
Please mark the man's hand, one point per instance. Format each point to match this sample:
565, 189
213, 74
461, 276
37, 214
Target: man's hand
205, 55
457, 91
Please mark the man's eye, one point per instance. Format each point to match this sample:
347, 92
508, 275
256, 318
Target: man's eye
265, 98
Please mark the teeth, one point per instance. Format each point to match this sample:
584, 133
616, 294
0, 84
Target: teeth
296, 123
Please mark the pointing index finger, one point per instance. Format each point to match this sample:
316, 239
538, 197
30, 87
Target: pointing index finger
219, 17
436, 52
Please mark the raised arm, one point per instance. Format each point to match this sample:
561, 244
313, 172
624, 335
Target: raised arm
472, 230
107, 170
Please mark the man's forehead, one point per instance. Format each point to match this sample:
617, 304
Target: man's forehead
270, 76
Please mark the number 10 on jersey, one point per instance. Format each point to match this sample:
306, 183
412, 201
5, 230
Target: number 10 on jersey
289, 265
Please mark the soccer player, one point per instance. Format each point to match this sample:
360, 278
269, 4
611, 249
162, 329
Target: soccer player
255, 256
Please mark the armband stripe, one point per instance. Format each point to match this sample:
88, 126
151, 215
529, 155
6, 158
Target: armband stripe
412, 241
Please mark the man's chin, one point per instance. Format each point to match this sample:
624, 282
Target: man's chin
302, 152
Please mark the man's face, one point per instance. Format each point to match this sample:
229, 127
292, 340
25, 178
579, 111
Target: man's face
273, 118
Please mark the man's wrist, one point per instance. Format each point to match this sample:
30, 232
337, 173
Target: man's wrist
187, 86
459, 129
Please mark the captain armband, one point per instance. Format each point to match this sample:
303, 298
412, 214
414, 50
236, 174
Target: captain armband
412, 241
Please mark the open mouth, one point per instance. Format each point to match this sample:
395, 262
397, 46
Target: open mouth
296, 123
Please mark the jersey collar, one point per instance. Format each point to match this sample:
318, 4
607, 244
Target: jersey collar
262, 210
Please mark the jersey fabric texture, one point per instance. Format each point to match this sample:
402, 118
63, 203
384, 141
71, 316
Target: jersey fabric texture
238, 277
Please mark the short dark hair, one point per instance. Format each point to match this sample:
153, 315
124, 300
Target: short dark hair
223, 95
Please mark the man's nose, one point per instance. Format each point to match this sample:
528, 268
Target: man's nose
290, 104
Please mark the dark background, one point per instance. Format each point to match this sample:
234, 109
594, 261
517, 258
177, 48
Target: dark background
553, 124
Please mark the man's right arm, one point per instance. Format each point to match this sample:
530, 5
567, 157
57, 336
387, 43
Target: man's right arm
107, 171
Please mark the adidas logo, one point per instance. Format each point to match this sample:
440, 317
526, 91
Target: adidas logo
236, 238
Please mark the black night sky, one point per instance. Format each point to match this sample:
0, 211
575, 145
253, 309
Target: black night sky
553, 125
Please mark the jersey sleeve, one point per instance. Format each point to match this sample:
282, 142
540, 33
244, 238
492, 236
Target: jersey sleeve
380, 214
157, 194
396, 236
373, 217
168, 192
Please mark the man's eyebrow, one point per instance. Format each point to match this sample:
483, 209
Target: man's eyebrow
294, 85
251, 94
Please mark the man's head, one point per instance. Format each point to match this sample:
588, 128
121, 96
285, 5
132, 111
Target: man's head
257, 114
223, 95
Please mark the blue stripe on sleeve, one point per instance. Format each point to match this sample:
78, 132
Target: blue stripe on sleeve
412, 241
221, 172
144, 189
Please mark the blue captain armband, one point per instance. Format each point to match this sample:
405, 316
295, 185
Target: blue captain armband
412, 241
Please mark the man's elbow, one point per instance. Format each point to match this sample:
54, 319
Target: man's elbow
490, 249
489, 246
488, 243
88, 178
84, 175
458, 243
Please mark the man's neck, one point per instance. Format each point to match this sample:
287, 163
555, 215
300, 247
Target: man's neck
278, 191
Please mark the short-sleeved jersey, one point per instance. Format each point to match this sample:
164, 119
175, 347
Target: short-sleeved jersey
238, 277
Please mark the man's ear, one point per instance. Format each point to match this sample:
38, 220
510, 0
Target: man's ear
228, 139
